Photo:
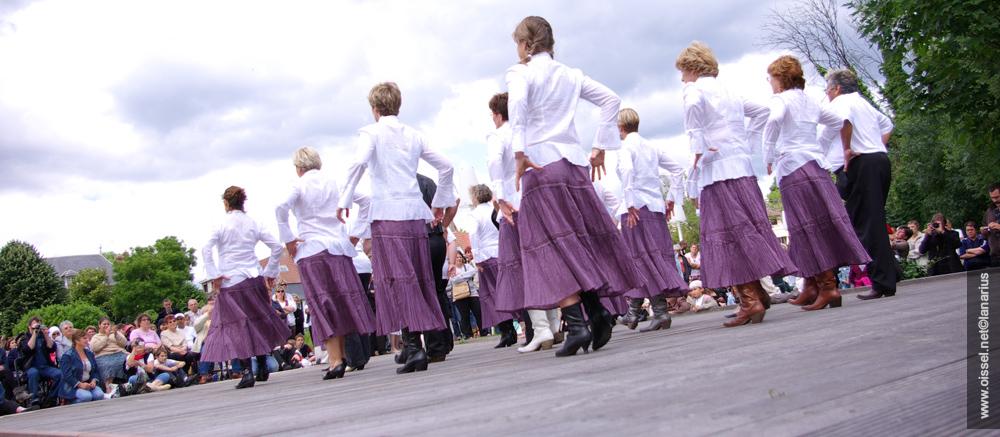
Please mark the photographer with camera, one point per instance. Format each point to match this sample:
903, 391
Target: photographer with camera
941, 244
36, 359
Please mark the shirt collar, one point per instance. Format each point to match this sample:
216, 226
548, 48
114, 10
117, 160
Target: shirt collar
540, 56
390, 120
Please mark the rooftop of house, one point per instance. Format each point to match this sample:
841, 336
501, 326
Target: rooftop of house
68, 266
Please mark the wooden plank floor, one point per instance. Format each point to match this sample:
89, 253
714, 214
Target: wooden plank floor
891, 366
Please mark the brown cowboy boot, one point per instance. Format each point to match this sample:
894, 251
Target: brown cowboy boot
808, 294
828, 293
751, 308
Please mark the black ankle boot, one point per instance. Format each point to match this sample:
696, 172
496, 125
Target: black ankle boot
631, 320
336, 372
400, 358
529, 332
247, 380
508, 337
262, 371
416, 358
577, 333
601, 321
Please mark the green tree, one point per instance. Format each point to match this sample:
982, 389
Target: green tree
82, 314
690, 228
943, 83
26, 282
774, 198
91, 286
147, 275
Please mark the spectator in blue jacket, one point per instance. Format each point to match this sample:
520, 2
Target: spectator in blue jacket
81, 377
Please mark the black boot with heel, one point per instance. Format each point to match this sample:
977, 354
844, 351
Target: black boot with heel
577, 332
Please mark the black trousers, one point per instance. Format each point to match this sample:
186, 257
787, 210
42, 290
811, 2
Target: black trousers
375, 343
465, 307
867, 188
439, 343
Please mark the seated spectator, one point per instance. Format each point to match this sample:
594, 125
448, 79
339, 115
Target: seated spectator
174, 369
108, 346
941, 244
288, 355
176, 342
697, 299
139, 366
975, 250
859, 276
12, 355
144, 331
37, 348
81, 377
305, 351
901, 242
914, 241
694, 261
8, 406
62, 341
193, 312
167, 310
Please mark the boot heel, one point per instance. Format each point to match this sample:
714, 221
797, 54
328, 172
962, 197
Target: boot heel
757, 318
421, 366
836, 302
546, 345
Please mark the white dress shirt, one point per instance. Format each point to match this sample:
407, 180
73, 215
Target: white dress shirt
502, 166
313, 200
362, 263
868, 126
790, 133
235, 240
639, 163
714, 122
393, 150
485, 238
612, 201
542, 98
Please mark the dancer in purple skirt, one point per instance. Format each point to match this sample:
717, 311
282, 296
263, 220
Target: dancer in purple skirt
737, 244
243, 323
406, 297
324, 254
644, 218
509, 294
485, 240
569, 247
821, 238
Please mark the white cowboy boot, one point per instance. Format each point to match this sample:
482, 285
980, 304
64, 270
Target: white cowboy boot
543, 334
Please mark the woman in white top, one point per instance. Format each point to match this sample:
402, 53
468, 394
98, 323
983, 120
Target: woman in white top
323, 253
694, 260
406, 296
738, 245
465, 302
569, 246
821, 238
485, 240
644, 216
541, 326
243, 323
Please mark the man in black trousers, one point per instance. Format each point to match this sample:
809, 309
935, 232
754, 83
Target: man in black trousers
438, 343
865, 176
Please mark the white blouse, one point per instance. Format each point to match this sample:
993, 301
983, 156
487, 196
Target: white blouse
313, 200
714, 122
867, 122
485, 238
612, 201
235, 240
502, 166
639, 163
542, 101
393, 150
790, 133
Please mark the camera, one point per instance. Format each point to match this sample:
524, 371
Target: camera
936, 225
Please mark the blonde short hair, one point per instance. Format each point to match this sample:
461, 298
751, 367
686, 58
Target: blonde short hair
698, 58
307, 159
480, 194
385, 98
628, 120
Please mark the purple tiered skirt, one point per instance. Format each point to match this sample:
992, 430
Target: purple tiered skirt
487, 294
652, 252
337, 302
568, 242
404, 283
820, 234
243, 323
509, 294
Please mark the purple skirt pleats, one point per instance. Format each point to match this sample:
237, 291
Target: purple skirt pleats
487, 295
405, 296
243, 323
509, 294
617, 305
652, 250
568, 242
738, 245
820, 234
337, 303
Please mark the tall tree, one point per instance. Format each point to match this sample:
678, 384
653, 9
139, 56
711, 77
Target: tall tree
91, 286
26, 282
147, 275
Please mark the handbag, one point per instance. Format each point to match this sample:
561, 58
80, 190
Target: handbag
460, 291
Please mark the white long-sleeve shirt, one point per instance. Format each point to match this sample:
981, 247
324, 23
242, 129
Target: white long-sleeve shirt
612, 201
313, 200
484, 237
393, 150
502, 166
639, 163
542, 98
714, 122
790, 132
868, 126
235, 240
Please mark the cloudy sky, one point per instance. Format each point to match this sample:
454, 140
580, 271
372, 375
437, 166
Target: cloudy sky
123, 121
